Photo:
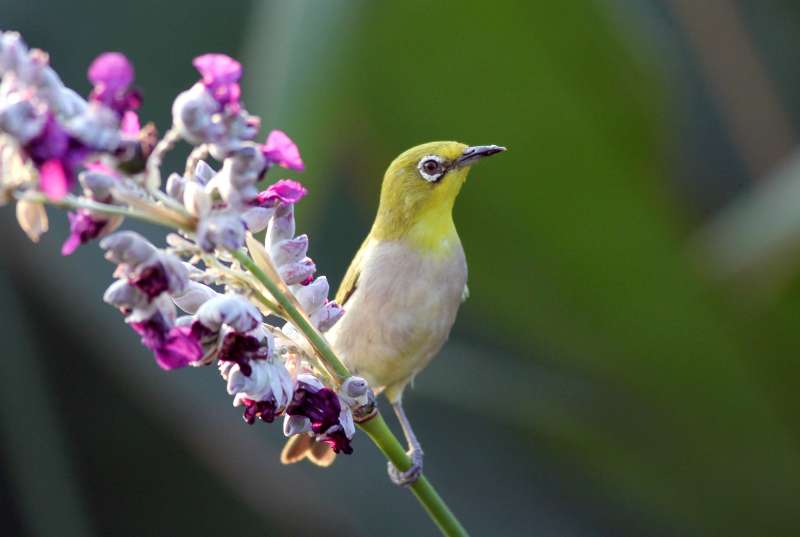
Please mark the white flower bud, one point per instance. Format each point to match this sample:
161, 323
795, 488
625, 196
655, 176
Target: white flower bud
13, 51
193, 296
281, 227
123, 295
129, 248
175, 186
196, 200
290, 250
193, 114
232, 310
314, 295
257, 218
203, 172
326, 316
97, 127
97, 184
221, 229
21, 119
294, 273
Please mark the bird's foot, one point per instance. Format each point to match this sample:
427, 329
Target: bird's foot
410, 476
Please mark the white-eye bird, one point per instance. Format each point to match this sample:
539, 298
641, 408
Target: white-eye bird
404, 286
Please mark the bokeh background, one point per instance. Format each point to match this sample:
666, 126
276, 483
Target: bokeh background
627, 363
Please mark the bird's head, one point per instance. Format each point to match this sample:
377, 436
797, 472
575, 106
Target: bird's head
423, 183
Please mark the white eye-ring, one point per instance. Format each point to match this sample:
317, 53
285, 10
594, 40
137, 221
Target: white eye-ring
431, 168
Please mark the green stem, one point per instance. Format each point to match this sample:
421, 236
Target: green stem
71, 202
375, 427
299, 320
427, 496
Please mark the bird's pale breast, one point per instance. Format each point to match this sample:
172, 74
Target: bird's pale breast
401, 311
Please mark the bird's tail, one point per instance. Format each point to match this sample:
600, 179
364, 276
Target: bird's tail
302, 446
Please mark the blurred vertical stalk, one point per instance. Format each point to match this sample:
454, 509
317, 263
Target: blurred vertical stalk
738, 80
47, 489
759, 233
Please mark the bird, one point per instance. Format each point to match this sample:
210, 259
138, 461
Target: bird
403, 288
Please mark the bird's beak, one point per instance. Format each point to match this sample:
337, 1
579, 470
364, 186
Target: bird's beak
477, 152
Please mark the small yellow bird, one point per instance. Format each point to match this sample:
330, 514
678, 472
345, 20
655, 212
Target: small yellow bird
404, 286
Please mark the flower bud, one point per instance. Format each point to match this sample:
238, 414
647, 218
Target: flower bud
21, 119
257, 218
98, 184
196, 200
314, 295
193, 296
175, 186
32, 219
290, 250
128, 247
233, 310
325, 317
295, 273
193, 115
203, 172
281, 227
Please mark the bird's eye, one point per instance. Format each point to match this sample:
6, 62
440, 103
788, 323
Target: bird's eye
431, 168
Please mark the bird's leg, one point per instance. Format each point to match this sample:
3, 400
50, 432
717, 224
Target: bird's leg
408, 477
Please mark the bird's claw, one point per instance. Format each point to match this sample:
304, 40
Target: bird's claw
410, 476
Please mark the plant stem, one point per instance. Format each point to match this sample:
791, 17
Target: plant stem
376, 427
71, 202
299, 320
434, 505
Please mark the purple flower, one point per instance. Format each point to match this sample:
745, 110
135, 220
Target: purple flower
263, 410
112, 76
220, 75
284, 191
174, 347
152, 280
240, 349
322, 407
281, 150
84, 226
57, 156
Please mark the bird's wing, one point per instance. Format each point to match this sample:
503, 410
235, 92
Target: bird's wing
350, 281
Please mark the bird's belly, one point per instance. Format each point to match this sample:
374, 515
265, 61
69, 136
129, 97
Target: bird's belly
401, 312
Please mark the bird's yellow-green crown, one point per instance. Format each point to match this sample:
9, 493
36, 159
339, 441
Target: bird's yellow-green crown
420, 188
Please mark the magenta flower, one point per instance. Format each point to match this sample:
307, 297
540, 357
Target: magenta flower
83, 227
281, 150
263, 410
241, 349
284, 191
57, 156
174, 347
322, 407
112, 76
130, 123
220, 75
151, 280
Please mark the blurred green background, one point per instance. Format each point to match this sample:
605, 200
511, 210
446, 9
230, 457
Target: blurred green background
627, 361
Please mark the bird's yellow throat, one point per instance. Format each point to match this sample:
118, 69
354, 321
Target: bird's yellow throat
415, 210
